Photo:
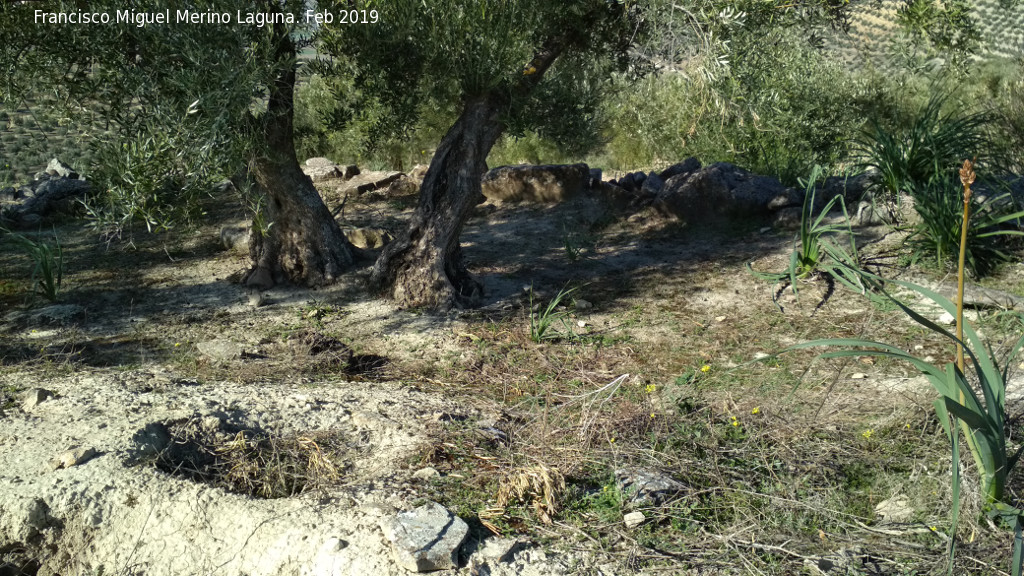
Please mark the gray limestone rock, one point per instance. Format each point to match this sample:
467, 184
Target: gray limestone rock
34, 397
72, 457
220, 350
425, 538
646, 487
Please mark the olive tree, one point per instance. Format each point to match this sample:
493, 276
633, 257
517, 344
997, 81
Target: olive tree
503, 63
189, 102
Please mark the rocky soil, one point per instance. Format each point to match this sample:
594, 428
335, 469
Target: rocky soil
158, 340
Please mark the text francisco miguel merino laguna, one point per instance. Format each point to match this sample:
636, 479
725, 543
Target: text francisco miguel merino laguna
141, 19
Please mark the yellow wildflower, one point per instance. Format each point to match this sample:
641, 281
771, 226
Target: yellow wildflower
705, 368
756, 410
650, 388
867, 433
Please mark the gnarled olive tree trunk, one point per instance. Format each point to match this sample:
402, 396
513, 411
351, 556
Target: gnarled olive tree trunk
303, 244
424, 267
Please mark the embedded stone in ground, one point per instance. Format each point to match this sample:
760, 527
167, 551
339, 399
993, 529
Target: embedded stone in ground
646, 487
34, 397
425, 538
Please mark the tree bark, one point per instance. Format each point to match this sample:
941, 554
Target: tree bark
303, 244
424, 267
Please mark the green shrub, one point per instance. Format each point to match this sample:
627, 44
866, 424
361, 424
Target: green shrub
782, 107
1011, 119
543, 320
332, 119
154, 175
941, 133
937, 234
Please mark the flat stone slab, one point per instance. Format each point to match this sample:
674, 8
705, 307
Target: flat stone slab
425, 538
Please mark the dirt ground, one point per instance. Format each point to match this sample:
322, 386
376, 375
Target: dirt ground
157, 332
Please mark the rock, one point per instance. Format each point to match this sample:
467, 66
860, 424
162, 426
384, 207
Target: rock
369, 238
323, 170
23, 519
254, 297
220, 350
893, 510
582, 304
722, 189
236, 237
652, 185
402, 186
619, 198
9, 193
418, 172
48, 197
58, 315
646, 487
596, 178
633, 181
788, 218
364, 182
60, 169
319, 162
500, 549
872, 214
983, 298
851, 188
528, 183
425, 538
72, 457
320, 174
686, 167
633, 519
34, 397
427, 473
946, 319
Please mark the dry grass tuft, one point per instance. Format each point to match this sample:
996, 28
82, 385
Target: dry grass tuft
538, 486
251, 463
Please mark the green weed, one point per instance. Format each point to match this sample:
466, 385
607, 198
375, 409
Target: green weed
542, 321
47, 263
814, 253
937, 234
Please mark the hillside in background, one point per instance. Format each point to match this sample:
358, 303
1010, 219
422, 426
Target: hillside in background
874, 28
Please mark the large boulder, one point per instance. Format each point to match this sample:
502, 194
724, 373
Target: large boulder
528, 183
723, 189
688, 166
